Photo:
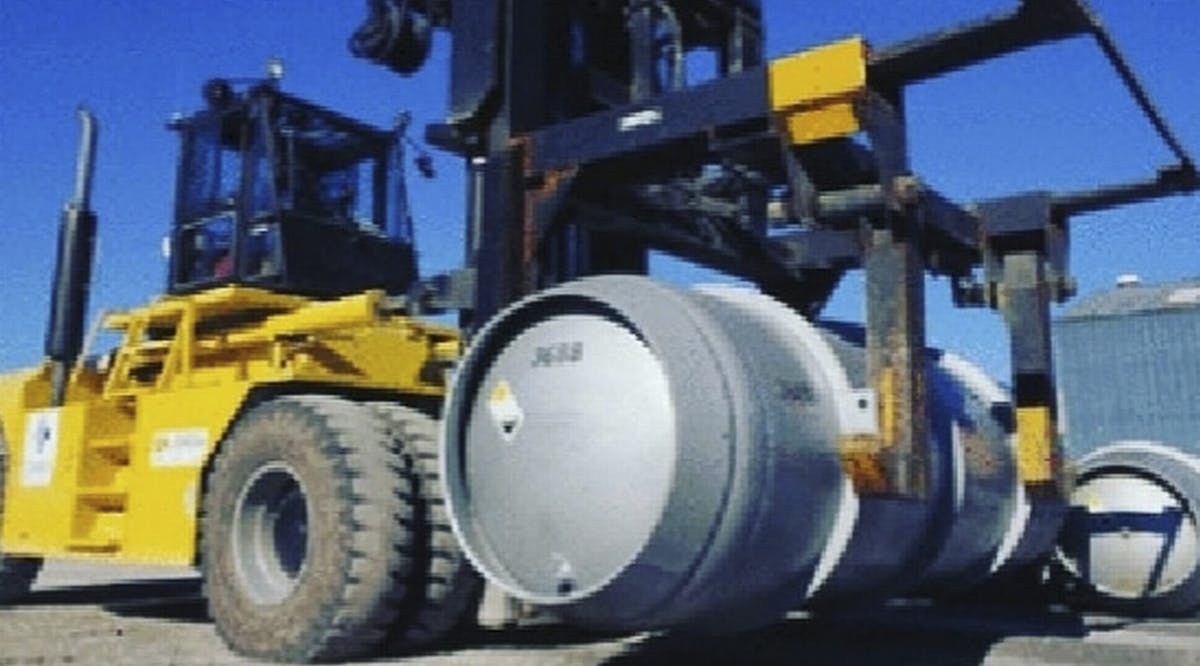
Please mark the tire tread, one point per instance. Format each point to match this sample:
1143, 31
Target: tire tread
372, 484
447, 589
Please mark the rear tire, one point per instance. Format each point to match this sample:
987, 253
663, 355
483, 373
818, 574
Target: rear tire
445, 589
306, 538
16, 573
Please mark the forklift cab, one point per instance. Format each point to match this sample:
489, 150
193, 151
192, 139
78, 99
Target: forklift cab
276, 192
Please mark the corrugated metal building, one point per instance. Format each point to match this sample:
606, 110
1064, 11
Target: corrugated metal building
1128, 366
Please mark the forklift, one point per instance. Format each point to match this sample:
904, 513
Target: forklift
588, 143
271, 418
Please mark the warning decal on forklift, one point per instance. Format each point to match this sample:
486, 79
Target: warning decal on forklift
506, 413
41, 448
178, 448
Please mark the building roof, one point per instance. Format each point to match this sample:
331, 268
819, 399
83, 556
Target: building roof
1137, 298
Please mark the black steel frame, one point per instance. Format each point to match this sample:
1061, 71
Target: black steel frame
559, 190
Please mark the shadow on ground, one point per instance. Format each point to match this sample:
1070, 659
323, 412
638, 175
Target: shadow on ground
534, 638
893, 636
170, 599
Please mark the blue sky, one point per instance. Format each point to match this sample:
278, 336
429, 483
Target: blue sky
1051, 118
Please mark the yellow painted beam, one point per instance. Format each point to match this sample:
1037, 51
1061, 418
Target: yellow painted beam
822, 122
1035, 445
834, 70
813, 93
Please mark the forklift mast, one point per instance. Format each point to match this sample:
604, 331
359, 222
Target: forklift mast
587, 143
277, 192
527, 66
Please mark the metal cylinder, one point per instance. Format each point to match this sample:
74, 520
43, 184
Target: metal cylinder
1131, 540
989, 527
642, 456
974, 517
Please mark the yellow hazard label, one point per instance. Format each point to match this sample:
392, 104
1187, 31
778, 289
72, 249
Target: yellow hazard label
506, 413
502, 392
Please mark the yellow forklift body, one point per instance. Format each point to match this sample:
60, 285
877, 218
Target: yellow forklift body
116, 472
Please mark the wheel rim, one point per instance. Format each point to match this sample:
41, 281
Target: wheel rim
270, 533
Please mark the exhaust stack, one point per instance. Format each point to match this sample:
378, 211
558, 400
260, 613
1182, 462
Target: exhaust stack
73, 266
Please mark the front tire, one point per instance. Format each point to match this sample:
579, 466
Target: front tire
306, 546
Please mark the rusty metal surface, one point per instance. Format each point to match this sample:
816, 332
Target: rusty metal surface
895, 344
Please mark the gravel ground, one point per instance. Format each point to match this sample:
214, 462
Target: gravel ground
83, 614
